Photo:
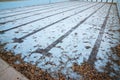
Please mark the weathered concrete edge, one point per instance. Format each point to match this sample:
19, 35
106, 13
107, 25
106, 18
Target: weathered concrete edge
7, 68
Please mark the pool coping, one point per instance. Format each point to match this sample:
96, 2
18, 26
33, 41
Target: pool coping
7, 72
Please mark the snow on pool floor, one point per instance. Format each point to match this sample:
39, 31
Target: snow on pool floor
57, 36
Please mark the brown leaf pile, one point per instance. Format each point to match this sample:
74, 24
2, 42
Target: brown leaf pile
30, 71
89, 72
116, 50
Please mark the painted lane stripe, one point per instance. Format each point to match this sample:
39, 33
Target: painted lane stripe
25, 12
96, 47
21, 39
35, 20
47, 49
4, 22
13, 10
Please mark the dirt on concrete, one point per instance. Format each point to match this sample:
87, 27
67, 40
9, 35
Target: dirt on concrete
88, 72
32, 72
116, 50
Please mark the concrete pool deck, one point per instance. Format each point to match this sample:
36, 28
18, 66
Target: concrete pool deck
9, 73
57, 35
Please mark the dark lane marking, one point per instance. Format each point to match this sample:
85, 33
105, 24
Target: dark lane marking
36, 14
47, 49
32, 7
21, 39
35, 10
20, 10
93, 54
34, 21
117, 12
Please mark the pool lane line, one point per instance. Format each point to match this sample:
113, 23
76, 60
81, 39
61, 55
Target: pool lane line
19, 40
4, 22
2, 31
95, 49
47, 49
